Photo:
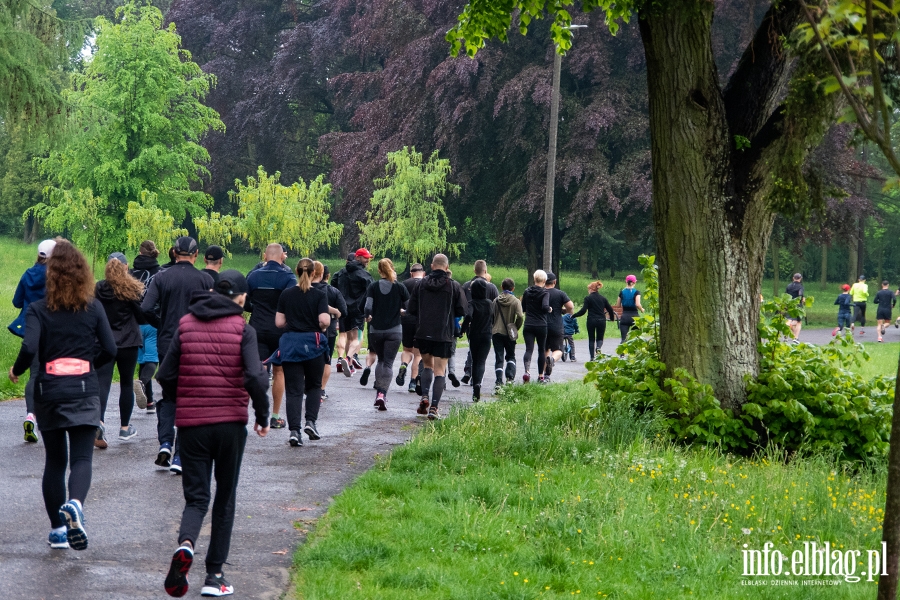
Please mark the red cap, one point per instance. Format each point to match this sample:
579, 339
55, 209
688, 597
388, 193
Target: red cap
362, 252
845, 287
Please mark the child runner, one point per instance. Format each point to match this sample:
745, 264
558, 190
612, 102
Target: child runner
68, 331
597, 307
212, 369
570, 328
844, 303
886, 301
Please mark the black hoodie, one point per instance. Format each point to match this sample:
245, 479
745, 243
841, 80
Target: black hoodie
536, 304
124, 316
353, 282
436, 303
144, 268
479, 321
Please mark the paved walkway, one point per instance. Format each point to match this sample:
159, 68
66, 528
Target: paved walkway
133, 509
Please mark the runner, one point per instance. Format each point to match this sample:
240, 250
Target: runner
336, 308
213, 369
266, 285
597, 308
844, 303
560, 305
410, 358
436, 303
508, 320
886, 301
481, 274
352, 281
630, 303
860, 294
384, 301
341, 339
163, 306
120, 294
69, 333
795, 290
145, 267
303, 313
478, 325
536, 305
213, 259
570, 329
32, 287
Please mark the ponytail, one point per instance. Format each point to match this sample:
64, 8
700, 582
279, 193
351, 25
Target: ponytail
305, 270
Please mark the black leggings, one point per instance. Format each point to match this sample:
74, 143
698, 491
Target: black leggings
78, 456
596, 330
479, 347
126, 360
534, 334
145, 374
860, 313
626, 324
302, 377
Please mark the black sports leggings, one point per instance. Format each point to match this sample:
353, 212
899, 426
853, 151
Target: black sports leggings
126, 360
480, 347
596, 330
300, 377
860, 313
534, 334
78, 456
626, 324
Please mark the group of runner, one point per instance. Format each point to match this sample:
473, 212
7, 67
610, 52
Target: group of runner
186, 328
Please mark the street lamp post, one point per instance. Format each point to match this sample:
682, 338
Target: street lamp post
551, 159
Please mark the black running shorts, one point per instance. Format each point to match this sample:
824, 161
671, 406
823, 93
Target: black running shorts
436, 349
883, 315
409, 335
554, 341
267, 343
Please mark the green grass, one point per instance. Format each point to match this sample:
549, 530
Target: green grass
520, 498
882, 360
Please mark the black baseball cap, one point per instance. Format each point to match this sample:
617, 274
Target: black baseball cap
185, 246
551, 277
231, 283
214, 253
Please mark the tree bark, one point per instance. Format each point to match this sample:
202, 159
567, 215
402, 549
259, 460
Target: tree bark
861, 247
823, 277
776, 266
887, 584
852, 262
549, 224
583, 260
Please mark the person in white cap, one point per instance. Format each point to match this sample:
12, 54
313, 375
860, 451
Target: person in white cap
32, 287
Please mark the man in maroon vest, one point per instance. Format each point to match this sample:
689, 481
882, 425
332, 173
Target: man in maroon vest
212, 369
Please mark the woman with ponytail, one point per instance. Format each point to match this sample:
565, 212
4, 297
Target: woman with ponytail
384, 300
597, 307
303, 312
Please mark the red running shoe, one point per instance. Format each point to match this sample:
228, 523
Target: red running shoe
177, 579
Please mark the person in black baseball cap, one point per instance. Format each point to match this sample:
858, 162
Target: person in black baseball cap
231, 283
213, 258
185, 246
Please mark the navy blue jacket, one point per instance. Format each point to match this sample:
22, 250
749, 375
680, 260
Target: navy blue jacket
265, 286
32, 287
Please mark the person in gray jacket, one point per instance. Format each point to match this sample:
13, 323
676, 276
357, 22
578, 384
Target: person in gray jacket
507, 311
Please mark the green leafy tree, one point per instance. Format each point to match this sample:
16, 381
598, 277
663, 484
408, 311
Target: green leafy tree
78, 214
407, 215
296, 215
216, 229
140, 117
147, 221
20, 182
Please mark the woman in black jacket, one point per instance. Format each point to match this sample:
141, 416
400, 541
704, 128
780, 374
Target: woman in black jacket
120, 294
536, 304
478, 324
69, 333
597, 307
384, 300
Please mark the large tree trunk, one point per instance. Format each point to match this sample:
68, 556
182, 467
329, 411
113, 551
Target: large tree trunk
776, 265
852, 259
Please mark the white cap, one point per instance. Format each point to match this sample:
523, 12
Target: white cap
46, 247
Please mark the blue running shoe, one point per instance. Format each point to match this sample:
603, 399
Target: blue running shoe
176, 465
177, 579
164, 456
58, 540
70, 512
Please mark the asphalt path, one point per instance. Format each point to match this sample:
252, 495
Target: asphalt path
134, 508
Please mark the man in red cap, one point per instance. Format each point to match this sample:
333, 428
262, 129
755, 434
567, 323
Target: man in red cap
352, 281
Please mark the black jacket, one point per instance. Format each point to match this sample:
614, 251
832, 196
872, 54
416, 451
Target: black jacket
491, 289
353, 281
335, 300
265, 286
384, 299
169, 294
480, 319
410, 285
66, 400
436, 303
536, 304
144, 268
594, 305
124, 316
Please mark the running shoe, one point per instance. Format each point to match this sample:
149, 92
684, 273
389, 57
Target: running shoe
423, 406
379, 401
344, 367
526, 377
100, 440
140, 397
58, 540
466, 378
151, 408
70, 512
897, 323
29, 425
127, 434
352, 371
572, 358
340, 365
364, 379
276, 422
177, 578
401, 375
453, 379
510, 371
879, 339
324, 396
311, 431
354, 362
295, 440
548, 368
544, 379
862, 332
834, 331
216, 585
164, 456
411, 388
433, 414
175, 467
476, 393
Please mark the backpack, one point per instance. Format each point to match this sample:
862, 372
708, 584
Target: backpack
146, 278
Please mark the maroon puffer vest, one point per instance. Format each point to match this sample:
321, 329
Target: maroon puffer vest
211, 372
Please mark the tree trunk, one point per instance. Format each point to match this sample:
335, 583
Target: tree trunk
890, 534
861, 247
711, 219
776, 267
852, 262
583, 259
823, 278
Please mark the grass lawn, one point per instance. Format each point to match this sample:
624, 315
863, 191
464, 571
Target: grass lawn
520, 498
